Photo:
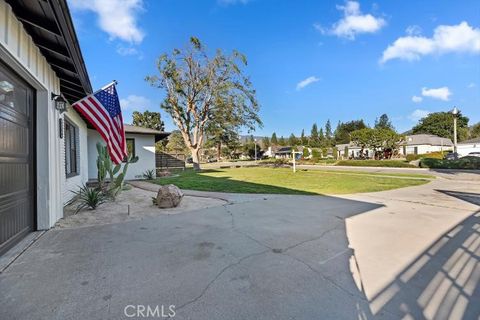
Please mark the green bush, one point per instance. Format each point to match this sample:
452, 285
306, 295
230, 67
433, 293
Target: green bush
375, 163
462, 163
432, 155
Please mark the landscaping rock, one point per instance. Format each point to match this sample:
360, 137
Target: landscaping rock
169, 196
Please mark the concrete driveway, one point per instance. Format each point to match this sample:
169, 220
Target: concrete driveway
412, 253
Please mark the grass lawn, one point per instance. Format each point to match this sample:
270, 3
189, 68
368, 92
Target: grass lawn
284, 181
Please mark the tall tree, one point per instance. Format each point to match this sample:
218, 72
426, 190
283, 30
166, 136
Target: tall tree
147, 119
292, 140
342, 134
266, 142
328, 130
314, 137
303, 138
282, 141
441, 124
274, 140
176, 142
384, 123
202, 89
475, 131
321, 139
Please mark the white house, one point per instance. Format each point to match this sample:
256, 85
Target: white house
45, 152
140, 141
425, 143
467, 146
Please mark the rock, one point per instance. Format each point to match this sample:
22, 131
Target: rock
169, 196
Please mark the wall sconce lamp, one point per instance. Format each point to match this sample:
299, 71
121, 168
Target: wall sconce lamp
60, 102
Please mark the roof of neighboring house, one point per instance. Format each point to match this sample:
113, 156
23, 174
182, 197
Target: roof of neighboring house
470, 141
159, 135
428, 139
50, 25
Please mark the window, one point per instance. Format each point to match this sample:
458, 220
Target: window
71, 149
131, 146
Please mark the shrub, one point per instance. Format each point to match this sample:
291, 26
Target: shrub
462, 163
88, 197
149, 174
375, 163
432, 155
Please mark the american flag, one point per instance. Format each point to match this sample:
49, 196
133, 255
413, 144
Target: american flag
102, 110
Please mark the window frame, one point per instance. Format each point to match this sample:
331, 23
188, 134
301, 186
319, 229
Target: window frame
133, 147
69, 128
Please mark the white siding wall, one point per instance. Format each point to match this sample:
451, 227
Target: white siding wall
464, 149
144, 149
19, 52
73, 183
425, 148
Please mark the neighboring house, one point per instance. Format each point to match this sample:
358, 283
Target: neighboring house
424, 143
282, 152
44, 152
353, 151
467, 146
413, 144
140, 142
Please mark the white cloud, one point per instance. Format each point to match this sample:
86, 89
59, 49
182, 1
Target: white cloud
418, 114
413, 30
446, 39
471, 85
442, 93
118, 18
135, 103
417, 99
129, 51
353, 22
306, 82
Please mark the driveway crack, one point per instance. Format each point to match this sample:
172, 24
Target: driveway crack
202, 293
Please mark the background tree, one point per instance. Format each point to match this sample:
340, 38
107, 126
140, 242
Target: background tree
292, 140
384, 123
314, 137
322, 142
176, 143
282, 141
342, 134
147, 119
303, 138
274, 140
441, 124
202, 89
265, 143
328, 130
249, 149
475, 131
384, 142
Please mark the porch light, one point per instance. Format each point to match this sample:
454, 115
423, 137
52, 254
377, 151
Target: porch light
60, 102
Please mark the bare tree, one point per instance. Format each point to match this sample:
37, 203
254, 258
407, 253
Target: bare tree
203, 91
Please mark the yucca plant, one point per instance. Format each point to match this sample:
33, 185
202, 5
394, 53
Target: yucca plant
149, 174
88, 197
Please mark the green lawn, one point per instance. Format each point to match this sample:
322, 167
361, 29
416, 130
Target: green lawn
284, 181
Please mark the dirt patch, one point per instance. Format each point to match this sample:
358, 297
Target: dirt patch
133, 204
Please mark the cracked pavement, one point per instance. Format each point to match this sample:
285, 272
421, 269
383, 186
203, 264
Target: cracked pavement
257, 257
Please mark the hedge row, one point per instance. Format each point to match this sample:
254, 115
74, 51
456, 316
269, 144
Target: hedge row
462, 163
433, 155
376, 163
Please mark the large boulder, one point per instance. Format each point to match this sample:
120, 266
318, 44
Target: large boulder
169, 196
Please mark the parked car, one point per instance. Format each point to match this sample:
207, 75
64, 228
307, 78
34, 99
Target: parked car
451, 156
473, 154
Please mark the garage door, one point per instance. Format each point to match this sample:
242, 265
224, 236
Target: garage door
17, 184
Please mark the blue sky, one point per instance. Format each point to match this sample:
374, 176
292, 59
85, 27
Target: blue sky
309, 60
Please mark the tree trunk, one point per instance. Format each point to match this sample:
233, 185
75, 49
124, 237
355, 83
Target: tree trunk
195, 159
219, 151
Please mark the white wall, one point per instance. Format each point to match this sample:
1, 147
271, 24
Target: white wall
144, 149
73, 183
18, 51
425, 148
465, 149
